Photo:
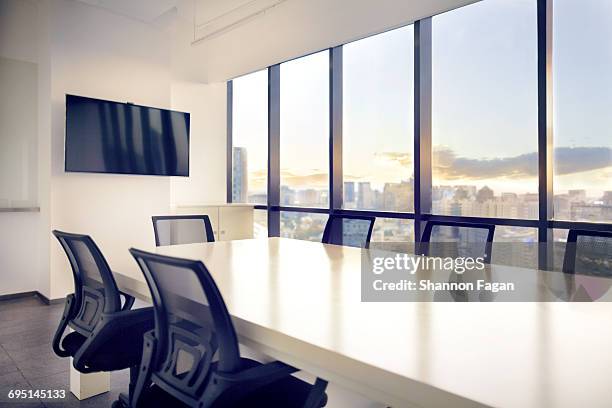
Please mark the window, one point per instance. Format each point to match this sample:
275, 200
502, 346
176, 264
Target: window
484, 112
250, 138
582, 61
484, 129
300, 225
378, 122
260, 224
304, 127
515, 246
393, 230
559, 247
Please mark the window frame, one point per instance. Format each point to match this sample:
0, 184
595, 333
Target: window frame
545, 223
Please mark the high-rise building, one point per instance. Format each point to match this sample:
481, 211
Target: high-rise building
309, 196
398, 196
607, 198
365, 196
484, 194
349, 192
577, 195
240, 181
287, 196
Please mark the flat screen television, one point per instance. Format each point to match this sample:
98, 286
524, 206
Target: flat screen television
123, 138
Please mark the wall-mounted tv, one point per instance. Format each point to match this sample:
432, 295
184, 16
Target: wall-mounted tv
123, 138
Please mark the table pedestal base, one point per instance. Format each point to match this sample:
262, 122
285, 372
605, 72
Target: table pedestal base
84, 386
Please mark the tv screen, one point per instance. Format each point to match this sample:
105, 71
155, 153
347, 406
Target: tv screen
112, 137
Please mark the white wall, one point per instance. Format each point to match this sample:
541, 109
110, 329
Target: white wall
18, 133
18, 33
85, 50
207, 106
103, 55
20, 267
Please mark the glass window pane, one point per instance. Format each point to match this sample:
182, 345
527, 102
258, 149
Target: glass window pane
393, 230
582, 100
515, 234
378, 122
485, 110
515, 246
300, 225
560, 241
250, 138
260, 224
304, 127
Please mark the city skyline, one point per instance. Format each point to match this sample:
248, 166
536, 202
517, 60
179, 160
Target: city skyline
509, 171
484, 107
458, 199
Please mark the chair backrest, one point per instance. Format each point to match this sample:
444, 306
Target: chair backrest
182, 229
192, 324
348, 230
95, 288
588, 252
457, 239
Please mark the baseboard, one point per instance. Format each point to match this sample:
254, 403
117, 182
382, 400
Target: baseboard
48, 301
43, 298
12, 296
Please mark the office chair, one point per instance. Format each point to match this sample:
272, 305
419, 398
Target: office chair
191, 358
107, 336
182, 229
455, 239
348, 230
588, 252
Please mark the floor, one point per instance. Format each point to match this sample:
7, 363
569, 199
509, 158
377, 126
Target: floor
27, 361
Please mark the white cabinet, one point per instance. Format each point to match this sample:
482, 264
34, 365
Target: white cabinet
229, 221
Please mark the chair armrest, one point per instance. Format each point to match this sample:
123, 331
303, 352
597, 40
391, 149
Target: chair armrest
231, 387
129, 301
260, 375
59, 333
316, 396
266, 374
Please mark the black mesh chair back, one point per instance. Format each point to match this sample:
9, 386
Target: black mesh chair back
192, 325
457, 239
182, 229
95, 290
588, 253
348, 230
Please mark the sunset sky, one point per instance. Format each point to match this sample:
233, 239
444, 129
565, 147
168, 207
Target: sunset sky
484, 104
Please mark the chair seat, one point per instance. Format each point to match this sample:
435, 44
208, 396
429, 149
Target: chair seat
290, 392
122, 351
155, 397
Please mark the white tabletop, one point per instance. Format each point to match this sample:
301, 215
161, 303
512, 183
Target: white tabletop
300, 302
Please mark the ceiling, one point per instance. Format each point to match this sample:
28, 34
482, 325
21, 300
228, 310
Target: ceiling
144, 10
149, 11
214, 40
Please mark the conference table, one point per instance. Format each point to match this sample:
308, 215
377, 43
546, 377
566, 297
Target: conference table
300, 302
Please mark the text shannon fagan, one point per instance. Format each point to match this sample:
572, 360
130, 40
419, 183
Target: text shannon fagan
412, 263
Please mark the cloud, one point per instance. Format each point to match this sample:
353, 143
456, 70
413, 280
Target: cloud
568, 160
316, 178
447, 165
402, 158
